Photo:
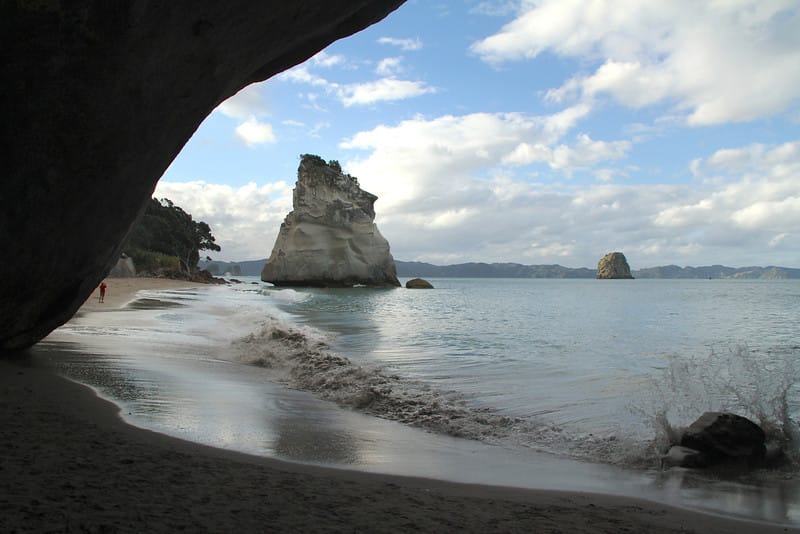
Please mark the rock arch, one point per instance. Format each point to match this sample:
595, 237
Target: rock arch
99, 98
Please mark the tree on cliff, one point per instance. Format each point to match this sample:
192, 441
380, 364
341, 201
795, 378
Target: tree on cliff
167, 230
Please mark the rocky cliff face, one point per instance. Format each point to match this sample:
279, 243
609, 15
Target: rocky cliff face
614, 265
330, 239
98, 98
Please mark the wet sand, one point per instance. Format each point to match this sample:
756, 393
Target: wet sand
70, 464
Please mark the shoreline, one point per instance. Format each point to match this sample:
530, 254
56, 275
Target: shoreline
71, 463
121, 291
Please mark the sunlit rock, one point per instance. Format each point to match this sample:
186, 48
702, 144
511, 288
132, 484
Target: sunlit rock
330, 239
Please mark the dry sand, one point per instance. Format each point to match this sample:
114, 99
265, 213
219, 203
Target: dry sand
68, 463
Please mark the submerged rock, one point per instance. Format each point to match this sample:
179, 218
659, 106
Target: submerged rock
418, 283
725, 437
614, 266
330, 239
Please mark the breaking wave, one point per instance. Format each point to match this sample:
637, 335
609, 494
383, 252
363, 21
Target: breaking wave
300, 358
755, 385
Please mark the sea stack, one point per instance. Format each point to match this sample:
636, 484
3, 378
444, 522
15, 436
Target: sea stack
614, 266
330, 239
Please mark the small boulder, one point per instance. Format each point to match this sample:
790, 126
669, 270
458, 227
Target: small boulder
725, 437
418, 283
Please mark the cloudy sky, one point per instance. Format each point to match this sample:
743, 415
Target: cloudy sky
549, 131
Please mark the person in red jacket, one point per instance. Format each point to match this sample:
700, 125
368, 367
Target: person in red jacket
103, 287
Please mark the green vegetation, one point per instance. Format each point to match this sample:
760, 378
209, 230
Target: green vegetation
166, 238
333, 164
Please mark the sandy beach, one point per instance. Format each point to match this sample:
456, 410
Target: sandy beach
71, 464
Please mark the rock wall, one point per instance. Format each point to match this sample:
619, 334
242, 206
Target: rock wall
98, 99
613, 266
330, 239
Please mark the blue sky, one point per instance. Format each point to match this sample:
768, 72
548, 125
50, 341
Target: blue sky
529, 131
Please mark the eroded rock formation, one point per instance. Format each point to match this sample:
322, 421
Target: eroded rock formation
614, 265
98, 98
330, 239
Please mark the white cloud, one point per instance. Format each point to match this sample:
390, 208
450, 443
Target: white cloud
382, 90
249, 102
244, 220
717, 62
444, 196
390, 66
404, 44
583, 155
451, 201
252, 132
494, 8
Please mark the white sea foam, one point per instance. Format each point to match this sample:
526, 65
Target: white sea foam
301, 358
736, 380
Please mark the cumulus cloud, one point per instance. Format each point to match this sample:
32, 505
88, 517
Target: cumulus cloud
248, 106
387, 88
252, 132
244, 220
390, 66
404, 44
454, 201
249, 102
449, 191
582, 155
716, 62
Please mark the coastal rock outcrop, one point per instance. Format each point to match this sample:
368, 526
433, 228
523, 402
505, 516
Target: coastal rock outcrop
726, 437
418, 283
98, 99
614, 266
330, 239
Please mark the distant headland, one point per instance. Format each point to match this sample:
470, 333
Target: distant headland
412, 269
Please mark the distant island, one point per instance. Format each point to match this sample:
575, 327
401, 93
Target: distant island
413, 269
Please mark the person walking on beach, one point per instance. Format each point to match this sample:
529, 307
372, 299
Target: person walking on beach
103, 287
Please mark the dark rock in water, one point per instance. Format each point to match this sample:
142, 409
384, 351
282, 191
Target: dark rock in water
74, 180
679, 456
418, 283
614, 266
330, 239
726, 437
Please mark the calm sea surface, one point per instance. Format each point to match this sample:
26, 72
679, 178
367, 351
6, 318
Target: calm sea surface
573, 384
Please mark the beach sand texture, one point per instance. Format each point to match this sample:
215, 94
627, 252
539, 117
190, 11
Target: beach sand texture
70, 464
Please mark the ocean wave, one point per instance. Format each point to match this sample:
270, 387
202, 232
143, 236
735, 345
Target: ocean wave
752, 384
300, 357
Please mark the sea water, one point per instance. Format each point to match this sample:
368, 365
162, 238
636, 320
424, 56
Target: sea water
572, 384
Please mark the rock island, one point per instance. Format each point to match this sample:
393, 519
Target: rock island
330, 238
